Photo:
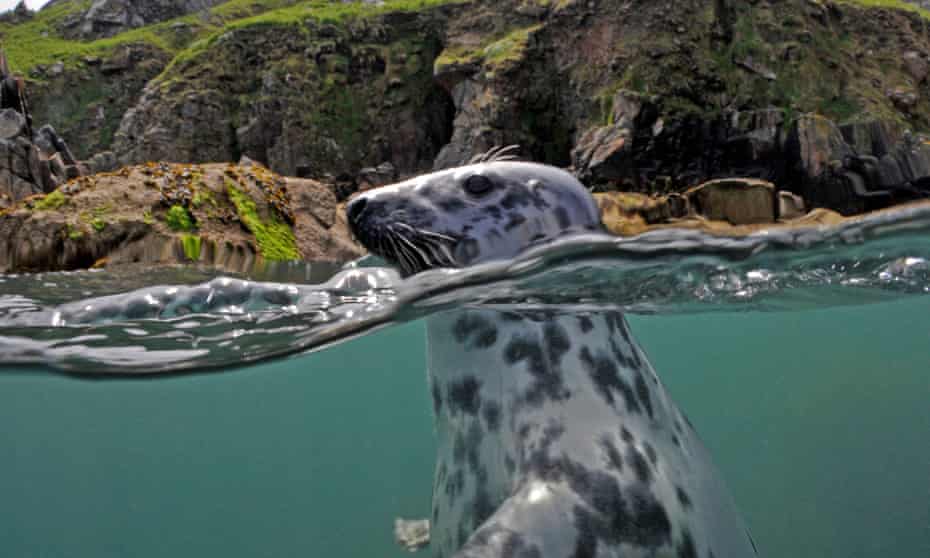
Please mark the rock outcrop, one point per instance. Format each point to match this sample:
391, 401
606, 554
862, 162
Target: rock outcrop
731, 201
306, 100
223, 215
19, 14
736, 201
105, 18
29, 164
851, 168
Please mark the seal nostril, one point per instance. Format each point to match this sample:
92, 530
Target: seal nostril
355, 209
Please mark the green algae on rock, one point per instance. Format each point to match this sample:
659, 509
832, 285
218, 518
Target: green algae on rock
179, 219
191, 245
275, 238
53, 200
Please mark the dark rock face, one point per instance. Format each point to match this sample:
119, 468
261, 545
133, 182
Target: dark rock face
29, 164
86, 102
505, 92
322, 98
12, 124
850, 169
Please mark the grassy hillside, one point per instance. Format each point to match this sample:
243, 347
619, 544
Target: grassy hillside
39, 42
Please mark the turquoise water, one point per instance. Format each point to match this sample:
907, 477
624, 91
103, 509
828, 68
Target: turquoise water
819, 420
309, 457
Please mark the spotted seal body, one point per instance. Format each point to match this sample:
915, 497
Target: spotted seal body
556, 437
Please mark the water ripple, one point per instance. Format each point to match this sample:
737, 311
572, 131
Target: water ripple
183, 320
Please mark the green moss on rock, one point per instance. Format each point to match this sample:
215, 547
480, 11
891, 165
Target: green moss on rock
179, 218
191, 243
51, 201
275, 238
75, 233
499, 51
510, 48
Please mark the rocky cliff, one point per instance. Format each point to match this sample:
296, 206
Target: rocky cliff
824, 98
32, 161
105, 18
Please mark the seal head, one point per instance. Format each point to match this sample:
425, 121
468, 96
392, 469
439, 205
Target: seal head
471, 214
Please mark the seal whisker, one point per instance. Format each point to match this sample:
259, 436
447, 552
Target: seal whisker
438, 252
496, 154
413, 256
396, 250
425, 233
415, 251
436, 244
427, 251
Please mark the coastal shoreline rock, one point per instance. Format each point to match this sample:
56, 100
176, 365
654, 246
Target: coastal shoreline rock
716, 121
635, 99
220, 215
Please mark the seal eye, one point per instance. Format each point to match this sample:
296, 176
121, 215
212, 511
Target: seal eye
478, 185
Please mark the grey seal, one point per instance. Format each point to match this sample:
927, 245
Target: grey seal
556, 437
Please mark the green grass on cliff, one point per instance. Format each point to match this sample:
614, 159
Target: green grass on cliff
39, 42
326, 11
496, 52
36, 41
893, 4
275, 239
299, 13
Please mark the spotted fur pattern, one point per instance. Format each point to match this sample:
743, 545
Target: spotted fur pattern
556, 437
